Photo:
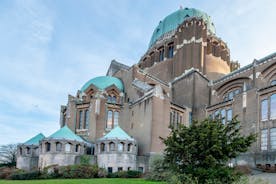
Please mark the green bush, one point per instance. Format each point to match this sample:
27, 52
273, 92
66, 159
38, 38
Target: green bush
79, 171
25, 175
125, 174
85, 160
158, 171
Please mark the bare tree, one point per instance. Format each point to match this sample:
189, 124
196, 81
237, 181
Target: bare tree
8, 154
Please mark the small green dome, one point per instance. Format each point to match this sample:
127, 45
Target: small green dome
172, 21
103, 82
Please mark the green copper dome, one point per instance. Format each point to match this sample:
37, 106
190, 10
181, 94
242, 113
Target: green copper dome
172, 21
103, 82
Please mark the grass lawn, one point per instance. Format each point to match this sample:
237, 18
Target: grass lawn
81, 181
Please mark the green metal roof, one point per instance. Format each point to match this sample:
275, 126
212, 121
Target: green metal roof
66, 133
117, 133
35, 140
103, 82
172, 21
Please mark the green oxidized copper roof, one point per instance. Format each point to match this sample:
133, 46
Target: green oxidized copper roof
117, 133
103, 82
35, 140
172, 21
66, 133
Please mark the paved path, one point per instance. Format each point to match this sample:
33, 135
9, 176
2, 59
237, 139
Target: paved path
268, 177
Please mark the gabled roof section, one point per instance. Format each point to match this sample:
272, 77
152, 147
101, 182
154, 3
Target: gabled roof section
35, 140
115, 66
245, 68
117, 133
66, 133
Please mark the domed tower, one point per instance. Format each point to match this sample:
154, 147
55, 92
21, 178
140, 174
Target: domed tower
28, 153
96, 108
186, 39
116, 151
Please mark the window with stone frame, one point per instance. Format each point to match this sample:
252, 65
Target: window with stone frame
102, 147
86, 118
273, 106
264, 110
129, 147
20, 151
80, 119
58, 146
176, 118
264, 139
77, 148
229, 115
67, 147
28, 150
231, 94
112, 146
170, 50
120, 169
121, 147
273, 138
112, 119
161, 53
223, 116
47, 146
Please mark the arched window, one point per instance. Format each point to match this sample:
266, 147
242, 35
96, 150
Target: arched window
273, 106
112, 146
264, 110
47, 147
77, 148
109, 120
67, 147
116, 119
28, 150
58, 146
102, 147
129, 147
121, 146
170, 51
20, 151
273, 82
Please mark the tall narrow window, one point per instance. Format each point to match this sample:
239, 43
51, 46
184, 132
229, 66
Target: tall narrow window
48, 147
28, 150
116, 119
112, 146
129, 147
114, 99
77, 148
264, 110
273, 106
67, 147
171, 118
229, 115
86, 113
170, 51
58, 146
109, 120
273, 138
80, 120
109, 98
223, 116
102, 147
264, 140
217, 114
161, 54
121, 146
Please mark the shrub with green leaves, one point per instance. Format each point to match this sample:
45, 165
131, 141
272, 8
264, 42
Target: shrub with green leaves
203, 149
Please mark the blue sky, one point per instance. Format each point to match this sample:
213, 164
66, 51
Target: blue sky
50, 48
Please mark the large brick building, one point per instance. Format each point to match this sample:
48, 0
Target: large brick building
186, 74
